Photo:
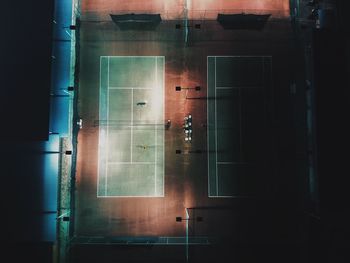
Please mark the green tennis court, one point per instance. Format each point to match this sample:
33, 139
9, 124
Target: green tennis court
131, 131
238, 92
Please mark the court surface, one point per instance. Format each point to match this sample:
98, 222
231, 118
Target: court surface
238, 89
131, 127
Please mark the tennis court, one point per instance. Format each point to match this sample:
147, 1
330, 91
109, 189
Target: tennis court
238, 92
131, 127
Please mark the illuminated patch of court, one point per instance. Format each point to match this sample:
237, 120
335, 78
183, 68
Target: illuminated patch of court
131, 127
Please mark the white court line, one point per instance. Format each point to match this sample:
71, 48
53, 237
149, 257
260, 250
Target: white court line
129, 196
216, 136
131, 162
208, 125
248, 87
146, 88
129, 56
163, 108
264, 57
236, 163
99, 134
107, 131
240, 56
231, 196
131, 122
155, 132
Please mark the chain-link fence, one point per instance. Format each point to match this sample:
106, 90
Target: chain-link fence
66, 167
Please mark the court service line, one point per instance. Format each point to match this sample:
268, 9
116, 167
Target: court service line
129, 196
99, 130
163, 108
128, 56
216, 136
236, 87
146, 88
236, 163
241, 56
131, 123
107, 131
231, 196
131, 162
163, 91
208, 125
155, 131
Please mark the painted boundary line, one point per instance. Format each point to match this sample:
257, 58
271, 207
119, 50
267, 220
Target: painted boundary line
155, 163
215, 110
155, 134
